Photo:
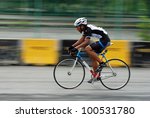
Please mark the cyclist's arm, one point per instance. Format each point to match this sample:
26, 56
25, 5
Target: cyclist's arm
84, 43
79, 41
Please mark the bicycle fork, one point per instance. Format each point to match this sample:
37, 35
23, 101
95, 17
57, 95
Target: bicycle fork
75, 62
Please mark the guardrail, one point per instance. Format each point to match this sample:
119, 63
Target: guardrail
39, 51
140, 54
9, 52
50, 51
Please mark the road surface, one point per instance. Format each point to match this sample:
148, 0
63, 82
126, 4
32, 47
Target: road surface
32, 83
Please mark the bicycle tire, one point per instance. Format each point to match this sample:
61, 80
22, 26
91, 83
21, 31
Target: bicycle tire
119, 79
67, 79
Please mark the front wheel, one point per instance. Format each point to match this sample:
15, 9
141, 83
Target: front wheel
69, 73
115, 75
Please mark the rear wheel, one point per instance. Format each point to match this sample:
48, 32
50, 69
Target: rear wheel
115, 75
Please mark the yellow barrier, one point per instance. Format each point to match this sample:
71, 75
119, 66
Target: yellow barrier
120, 49
40, 51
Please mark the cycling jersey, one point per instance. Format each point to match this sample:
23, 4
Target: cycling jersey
99, 33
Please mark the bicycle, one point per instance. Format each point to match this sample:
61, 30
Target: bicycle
70, 73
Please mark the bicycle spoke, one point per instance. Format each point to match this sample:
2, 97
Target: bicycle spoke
116, 75
69, 74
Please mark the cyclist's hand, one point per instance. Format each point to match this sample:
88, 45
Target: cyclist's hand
73, 52
70, 48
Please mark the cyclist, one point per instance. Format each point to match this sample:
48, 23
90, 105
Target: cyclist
92, 49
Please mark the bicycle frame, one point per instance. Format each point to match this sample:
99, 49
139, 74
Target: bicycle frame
78, 57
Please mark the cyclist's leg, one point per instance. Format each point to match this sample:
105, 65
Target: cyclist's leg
95, 61
93, 56
93, 50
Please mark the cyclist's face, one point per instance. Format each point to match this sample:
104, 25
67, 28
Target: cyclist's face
78, 28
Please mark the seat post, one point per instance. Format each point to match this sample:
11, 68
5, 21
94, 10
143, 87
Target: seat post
103, 54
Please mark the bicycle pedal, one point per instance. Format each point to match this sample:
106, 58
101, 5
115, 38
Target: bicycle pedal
90, 81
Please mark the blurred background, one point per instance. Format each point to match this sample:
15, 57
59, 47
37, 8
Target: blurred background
127, 20
124, 19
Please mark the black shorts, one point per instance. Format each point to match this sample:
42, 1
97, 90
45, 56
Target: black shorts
99, 46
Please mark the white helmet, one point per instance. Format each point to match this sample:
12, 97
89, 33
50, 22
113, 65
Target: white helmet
80, 21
